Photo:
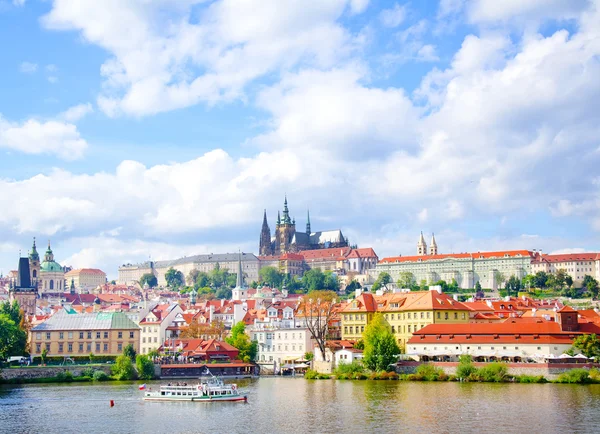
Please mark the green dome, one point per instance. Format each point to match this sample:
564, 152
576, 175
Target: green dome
50, 266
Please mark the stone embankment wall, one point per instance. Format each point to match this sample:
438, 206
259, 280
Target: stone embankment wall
48, 371
549, 371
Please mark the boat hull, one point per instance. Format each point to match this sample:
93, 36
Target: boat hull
238, 398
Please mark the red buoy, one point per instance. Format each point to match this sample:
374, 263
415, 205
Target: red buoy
112, 403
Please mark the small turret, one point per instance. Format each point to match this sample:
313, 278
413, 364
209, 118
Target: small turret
433, 249
308, 222
421, 246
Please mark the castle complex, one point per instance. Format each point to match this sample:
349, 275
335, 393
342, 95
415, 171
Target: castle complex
288, 240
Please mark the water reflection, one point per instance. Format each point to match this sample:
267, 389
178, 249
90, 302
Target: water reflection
296, 405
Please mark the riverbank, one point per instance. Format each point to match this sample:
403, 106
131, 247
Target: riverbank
495, 372
55, 374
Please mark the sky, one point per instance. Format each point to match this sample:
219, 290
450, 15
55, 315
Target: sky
136, 129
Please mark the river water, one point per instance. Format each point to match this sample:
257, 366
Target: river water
295, 405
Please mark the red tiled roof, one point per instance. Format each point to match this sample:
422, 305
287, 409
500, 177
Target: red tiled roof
331, 253
568, 257
476, 255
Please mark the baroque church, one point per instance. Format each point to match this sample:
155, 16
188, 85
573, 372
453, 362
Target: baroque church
288, 240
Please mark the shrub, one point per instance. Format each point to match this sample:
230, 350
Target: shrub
595, 375
99, 376
348, 368
145, 367
66, 377
88, 372
314, 375
123, 368
465, 367
389, 376
495, 372
429, 372
359, 376
575, 376
531, 379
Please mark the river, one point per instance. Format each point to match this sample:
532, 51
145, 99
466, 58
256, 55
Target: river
294, 405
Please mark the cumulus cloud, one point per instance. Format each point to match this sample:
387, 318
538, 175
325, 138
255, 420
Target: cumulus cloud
393, 17
210, 60
75, 113
37, 137
28, 67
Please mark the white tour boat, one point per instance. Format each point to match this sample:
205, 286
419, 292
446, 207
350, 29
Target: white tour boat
212, 390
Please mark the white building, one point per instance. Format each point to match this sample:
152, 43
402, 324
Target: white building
154, 323
576, 265
86, 279
280, 346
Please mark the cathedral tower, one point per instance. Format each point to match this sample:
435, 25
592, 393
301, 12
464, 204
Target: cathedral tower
285, 231
421, 246
265, 247
433, 250
34, 265
308, 223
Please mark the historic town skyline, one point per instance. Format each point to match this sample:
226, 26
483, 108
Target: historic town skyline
127, 132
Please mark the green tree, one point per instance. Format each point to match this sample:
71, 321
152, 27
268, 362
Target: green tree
145, 367
10, 342
513, 285
591, 285
150, 279
381, 349
382, 281
13, 333
568, 280
240, 340
270, 276
174, 278
123, 368
330, 281
443, 284
478, 287
129, 351
313, 279
588, 345
500, 279
202, 280
351, 287
192, 277
406, 279
541, 279
452, 286
224, 293
529, 281
559, 279
44, 355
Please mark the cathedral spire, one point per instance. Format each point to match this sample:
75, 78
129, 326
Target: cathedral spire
286, 212
308, 222
421, 246
265, 237
433, 249
240, 277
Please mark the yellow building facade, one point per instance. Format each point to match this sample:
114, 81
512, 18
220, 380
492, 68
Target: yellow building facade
404, 312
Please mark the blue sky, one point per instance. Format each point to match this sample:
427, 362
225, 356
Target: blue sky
133, 129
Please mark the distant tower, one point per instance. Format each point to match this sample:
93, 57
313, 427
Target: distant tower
433, 250
240, 292
72, 287
22, 289
308, 222
285, 231
34, 265
265, 247
421, 246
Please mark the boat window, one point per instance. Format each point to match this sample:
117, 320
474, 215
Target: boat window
162, 393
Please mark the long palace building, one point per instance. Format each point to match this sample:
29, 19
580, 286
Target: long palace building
467, 269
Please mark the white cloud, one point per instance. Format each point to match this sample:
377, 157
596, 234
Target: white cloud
423, 215
232, 44
19, 2
358, 6
53, 79
411, 46
393, 17
36, 137
28, 67
75, 113
493, 11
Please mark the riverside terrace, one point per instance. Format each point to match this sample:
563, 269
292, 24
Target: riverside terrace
196, 370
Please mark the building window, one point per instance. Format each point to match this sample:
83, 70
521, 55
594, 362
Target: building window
38, 336
89, 335
131, 335
89, 347
70, 346
38, 348
362, 329
143, 340
80, 335
438, 315
81, 348
120, 335
97, 347
97, 335
105, 335
422, 313
70, 335
105, 347
61, 335
428, 315
119, 347
60, 347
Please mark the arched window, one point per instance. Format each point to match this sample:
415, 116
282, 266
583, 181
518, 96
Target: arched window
51, 284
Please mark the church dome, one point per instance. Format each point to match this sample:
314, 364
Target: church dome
50, 266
